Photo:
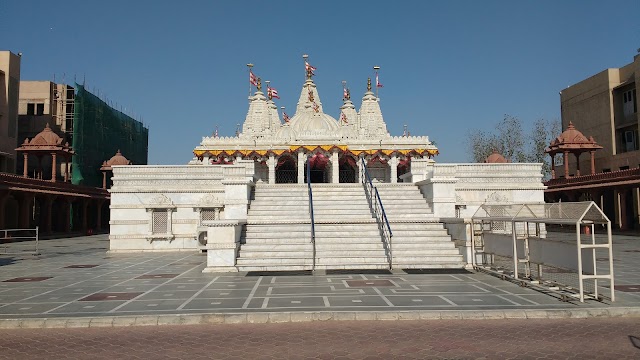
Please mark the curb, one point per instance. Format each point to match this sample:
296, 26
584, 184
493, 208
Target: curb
286, 317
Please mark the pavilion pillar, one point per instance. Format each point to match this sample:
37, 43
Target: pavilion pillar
301, 161
54, 165
393, 162
66, 170
25, 167
104, 180
335, 167
271, 163
553, 166
360, 167
593, 162
565, 159
577, 164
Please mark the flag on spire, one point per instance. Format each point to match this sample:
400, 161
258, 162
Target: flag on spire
316, 107
378, 83
345, 94
285, 117
273, 93
309, 68
253, 79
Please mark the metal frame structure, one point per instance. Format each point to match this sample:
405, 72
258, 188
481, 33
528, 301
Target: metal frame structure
7, 238
523, 216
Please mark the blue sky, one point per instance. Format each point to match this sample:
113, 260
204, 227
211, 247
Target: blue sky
446, 66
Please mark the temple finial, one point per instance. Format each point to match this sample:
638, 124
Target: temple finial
368, 84
259, 86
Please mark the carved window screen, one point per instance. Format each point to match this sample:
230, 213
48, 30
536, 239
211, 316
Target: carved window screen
160, 219
207, 215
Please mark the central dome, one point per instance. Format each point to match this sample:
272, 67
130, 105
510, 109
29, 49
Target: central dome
314, 122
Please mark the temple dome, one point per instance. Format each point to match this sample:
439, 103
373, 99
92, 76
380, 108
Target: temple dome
118, 159
285, 132
313, 122
496, 158
571, 136
46, 137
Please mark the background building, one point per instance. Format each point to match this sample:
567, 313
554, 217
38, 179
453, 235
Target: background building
601, 111
9, 90
605, 106
94, 129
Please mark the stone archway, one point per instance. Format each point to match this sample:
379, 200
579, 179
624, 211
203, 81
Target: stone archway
286, 170
347, 167
319, 166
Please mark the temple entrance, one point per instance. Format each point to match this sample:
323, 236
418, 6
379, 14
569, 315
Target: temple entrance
286, 172
347, 170
404, 166
318, 173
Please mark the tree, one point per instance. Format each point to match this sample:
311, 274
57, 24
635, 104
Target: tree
508, 138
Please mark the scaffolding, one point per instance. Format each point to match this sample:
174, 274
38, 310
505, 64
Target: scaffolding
524, 224
98, 132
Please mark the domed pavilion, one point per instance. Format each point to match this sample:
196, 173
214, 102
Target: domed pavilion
574, 142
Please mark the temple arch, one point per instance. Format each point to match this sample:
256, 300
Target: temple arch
286, 170
348, 169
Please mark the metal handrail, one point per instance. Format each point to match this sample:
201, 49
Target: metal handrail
5, 239
313, 226
375, 203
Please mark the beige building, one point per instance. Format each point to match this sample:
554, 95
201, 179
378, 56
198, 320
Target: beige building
9, 92
45, 102
605, 106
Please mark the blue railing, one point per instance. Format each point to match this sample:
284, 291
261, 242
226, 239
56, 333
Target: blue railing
313, 225
375, 203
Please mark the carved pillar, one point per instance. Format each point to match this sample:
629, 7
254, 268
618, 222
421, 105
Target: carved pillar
565, 159
272, 169
104, 180
393, 162
66, 169
577, 163
553, 166
25, 167
54, 165
301, 161
335, 167
593, 162
360, 167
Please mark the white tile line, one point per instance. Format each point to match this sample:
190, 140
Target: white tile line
197, 293
253, 291
447, 300
389, 303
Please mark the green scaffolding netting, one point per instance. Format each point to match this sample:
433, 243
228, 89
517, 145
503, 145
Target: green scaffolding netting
98, 132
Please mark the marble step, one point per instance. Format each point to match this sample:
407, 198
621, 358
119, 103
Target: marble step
319, 254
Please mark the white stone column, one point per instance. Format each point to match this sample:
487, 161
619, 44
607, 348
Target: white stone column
301, 161
393, 162
335, 168
272, 169
360, 167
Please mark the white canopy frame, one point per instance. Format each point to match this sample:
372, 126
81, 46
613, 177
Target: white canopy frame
581, 214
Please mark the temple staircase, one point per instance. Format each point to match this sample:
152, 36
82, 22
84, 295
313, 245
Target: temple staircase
278, 231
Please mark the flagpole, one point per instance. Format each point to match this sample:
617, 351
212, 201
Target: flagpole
376, 68
268, 89
249, 65
305, 57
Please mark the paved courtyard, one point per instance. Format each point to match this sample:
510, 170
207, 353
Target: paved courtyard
75, 277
